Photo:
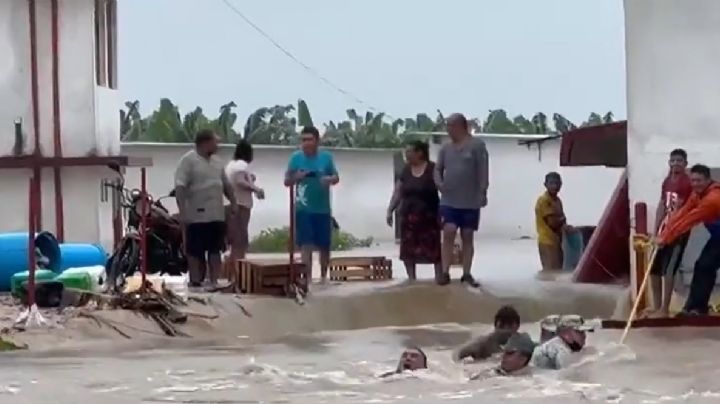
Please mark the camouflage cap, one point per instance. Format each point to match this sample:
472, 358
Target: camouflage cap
573, 321
520, 342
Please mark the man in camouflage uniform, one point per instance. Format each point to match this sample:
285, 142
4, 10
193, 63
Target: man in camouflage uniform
562, 337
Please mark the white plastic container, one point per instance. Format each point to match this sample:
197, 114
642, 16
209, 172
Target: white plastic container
177, 284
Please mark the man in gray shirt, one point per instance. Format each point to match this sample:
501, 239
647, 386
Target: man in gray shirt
200, 183
461, 175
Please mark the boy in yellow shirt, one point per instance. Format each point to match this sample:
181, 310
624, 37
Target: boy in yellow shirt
550, 223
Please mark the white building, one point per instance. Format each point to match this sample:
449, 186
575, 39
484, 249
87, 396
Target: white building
673, 89
58, 76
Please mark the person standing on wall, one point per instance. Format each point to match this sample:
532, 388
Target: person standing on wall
676, 190
416, 195
461, 175
199, 187
703, 206
242, 181
550, 224
312, 171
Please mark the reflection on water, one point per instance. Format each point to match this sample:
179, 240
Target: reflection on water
342, 367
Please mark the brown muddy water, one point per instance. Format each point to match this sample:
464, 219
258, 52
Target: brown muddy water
320, 363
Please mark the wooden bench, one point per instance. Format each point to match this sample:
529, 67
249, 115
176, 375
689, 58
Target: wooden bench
360, 269
270, 276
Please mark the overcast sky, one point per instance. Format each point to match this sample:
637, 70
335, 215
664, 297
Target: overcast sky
397, 56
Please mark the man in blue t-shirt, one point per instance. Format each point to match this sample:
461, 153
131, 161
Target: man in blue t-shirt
312, 172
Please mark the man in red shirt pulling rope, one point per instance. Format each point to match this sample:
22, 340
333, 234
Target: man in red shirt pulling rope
676, 190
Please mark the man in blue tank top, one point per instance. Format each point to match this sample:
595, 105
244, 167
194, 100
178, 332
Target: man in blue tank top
312, 172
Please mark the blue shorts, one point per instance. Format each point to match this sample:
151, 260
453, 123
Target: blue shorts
313, 229
462, 218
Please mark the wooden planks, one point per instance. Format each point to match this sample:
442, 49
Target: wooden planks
270, 276
360, 269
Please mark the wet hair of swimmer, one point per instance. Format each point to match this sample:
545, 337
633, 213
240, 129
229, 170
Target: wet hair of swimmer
406, 365
507, 318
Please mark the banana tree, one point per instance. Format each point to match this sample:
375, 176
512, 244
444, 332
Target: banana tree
272, 125
194, 122
562, 124
165, 125
132, 125
497, 121
224, 124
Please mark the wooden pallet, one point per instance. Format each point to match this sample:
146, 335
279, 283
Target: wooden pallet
360, 269
270, 276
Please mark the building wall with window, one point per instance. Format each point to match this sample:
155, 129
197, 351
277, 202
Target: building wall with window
87, 61
673, 94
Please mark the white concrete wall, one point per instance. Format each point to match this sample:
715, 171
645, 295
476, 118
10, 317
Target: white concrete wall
360, 200
673, 88
83, 106
14, 73
673, 94
89, 117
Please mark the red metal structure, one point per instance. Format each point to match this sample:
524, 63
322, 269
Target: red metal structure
606, 258
144, 207
291, 237
34, 160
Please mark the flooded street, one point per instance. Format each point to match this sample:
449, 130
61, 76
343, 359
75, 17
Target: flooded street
342, 367
332, 349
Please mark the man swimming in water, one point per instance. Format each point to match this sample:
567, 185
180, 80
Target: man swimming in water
563, 337
507, 323
515, 359
412, 358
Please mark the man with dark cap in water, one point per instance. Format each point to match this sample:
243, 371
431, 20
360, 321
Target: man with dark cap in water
412, 358
507, 323
515, 359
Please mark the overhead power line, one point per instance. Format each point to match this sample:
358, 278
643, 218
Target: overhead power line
297, 60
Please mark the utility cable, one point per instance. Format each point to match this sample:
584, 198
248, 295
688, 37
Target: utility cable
305, 66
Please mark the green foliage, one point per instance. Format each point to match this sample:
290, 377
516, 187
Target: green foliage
275, 240
165, 125
279, 125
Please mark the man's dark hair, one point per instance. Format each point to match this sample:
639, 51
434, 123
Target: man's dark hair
679, 153
507, 315
701, 169
243, 151
310, 130
203, 136
553, 176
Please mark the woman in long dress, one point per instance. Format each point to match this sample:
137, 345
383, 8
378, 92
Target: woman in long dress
243, 185
416, 197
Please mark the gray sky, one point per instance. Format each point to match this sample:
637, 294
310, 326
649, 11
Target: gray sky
398, 56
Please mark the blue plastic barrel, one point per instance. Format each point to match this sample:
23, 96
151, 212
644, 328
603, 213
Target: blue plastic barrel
14, 254
573, 247
76, 255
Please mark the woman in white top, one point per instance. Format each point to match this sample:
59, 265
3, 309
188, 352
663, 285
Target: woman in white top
243, 185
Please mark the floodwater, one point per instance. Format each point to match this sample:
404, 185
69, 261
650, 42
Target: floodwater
341, 366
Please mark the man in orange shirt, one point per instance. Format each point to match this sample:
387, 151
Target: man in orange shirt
703, 206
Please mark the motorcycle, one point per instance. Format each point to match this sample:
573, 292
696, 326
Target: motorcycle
164, 238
